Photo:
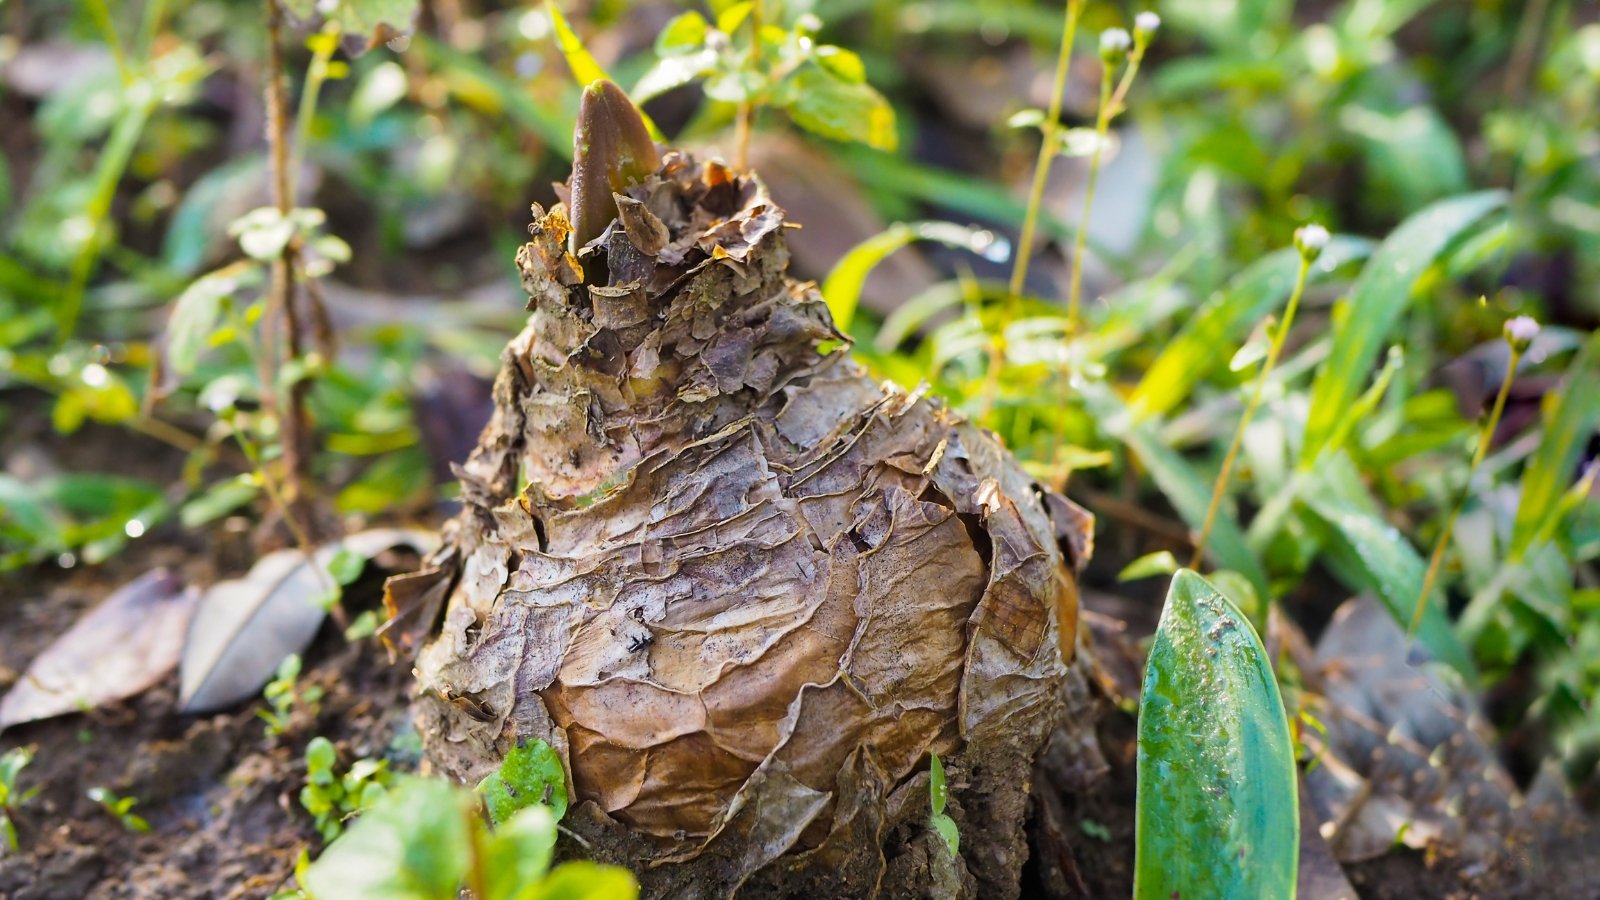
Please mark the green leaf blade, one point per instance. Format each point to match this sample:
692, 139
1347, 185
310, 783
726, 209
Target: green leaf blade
1227, 318
1569, 417
530, 775
1217, 811
1381, 294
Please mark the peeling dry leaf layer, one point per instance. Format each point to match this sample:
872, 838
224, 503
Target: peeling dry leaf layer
746, 590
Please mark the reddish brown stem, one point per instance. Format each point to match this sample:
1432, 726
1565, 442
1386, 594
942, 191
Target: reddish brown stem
281, 312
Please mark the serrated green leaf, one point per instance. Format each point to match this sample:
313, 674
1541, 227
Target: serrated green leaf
1217, 811
684, 33
1226, 318
531, 774
823, 103
346, 566
674, 71
198, 310
1379, 297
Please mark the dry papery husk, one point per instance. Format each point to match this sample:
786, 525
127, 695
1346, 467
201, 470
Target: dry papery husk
746, 591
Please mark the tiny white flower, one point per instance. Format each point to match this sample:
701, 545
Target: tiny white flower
1114, 44
1310, 241
1145, 24
1520, 332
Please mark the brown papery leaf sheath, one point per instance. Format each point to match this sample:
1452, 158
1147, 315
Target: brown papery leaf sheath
746, 590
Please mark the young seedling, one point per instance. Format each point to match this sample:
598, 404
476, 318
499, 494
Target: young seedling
284, 695
611, 149
120, 808
1309, 241
12, 797
938, 796
332, 797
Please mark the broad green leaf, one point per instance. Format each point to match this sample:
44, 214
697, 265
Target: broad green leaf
674, 71
530, 775
197, 311
584, 68
1226, 318
413, 844
1377, 300
841, 62
1369, 554
823, 103
517, 856
383, 86
584, 880
1217, 812
685, 32
1413, 155
1569, 419
193, 234
842, 288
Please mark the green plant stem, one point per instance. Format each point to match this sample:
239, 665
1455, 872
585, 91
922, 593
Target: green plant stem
747, 109
1220, 489
108, 173
1041, 166
316, 74
1485, 437
150, 25
1111, 105
281, 312
102, 20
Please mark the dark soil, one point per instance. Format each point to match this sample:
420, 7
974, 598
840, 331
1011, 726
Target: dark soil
219, 794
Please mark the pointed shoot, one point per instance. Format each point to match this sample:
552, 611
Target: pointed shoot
611, 149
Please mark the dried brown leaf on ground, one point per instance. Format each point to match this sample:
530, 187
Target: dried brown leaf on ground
1405, 759
118, 649
245, 627
747, 590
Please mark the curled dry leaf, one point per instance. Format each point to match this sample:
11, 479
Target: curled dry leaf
747, 591
120, 648
245, 627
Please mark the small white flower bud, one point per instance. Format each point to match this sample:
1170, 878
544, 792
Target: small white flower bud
1114, 44
1520, 332
1145, 25
1310, 240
